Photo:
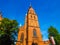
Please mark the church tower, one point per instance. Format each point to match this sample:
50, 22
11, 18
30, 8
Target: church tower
34, 34
30, 34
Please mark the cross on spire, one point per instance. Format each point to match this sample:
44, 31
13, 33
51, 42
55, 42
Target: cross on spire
30, 5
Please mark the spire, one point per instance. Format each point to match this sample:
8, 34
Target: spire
30, 5
31, 10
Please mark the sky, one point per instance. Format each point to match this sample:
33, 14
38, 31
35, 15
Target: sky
48, 12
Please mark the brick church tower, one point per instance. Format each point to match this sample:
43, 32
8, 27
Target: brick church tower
30, 34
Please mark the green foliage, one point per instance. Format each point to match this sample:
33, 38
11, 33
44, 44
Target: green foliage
6, 40
9, 27
53, 32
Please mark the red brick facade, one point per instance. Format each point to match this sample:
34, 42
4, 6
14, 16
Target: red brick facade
34, 38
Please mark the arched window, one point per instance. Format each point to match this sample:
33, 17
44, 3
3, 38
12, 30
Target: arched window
34, 44
34, 33
22, 37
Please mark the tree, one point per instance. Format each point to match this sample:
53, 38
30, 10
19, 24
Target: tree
53, 32
8, 29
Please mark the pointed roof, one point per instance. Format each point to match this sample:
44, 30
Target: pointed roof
31, 10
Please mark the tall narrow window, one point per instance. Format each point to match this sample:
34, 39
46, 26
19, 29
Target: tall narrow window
31, 16
34, 33
34, 17
22, 37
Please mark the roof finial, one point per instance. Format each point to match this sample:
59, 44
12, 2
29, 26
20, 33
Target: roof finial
30, 4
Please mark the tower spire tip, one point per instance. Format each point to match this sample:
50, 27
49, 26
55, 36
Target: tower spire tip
30, 4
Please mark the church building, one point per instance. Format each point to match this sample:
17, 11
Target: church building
30, 34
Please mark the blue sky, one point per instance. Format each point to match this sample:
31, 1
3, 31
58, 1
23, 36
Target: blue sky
48, 12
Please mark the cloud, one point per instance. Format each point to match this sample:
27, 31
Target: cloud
45, 35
